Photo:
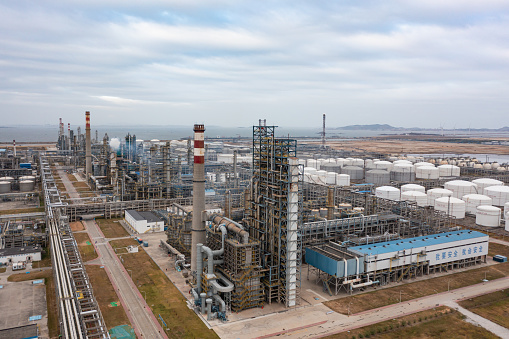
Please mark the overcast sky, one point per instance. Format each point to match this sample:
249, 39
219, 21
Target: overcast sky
426, 63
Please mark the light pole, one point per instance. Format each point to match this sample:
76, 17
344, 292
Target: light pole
130, 273
448, 283
485, 279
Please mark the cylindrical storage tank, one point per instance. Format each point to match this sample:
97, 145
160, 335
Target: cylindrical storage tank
323, 212
415, 196
388, 192
340, 161
421, 164
302, 162
343, 180
383, 165
413, 187
355, 173
436, 193
488, 216
322, 175
506, 208
331, 167
315, 179
368, 164
309, 170
452, 206
26, 186
312, 163
486, 182
348, 162
330, 178
448, 171
358, 162
9, 179
474, 200
398, 162
27, 177
427, 172
460, 188
5, 186
403, 172
393, 158
378, 177
499, 194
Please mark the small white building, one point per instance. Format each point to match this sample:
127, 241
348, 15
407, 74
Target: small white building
143, 222
20, 254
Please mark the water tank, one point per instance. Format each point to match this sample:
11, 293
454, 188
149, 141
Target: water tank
427, 172
415, 196
436, 193
413, 187
5, 186
452, 206
355, 172
383, 165
331, 167
499, 194
343, 180
461, 188
474, 200
488, 216
26, 186
403, 172
448, 171
486, 182
388, 192
9, 179
378, 177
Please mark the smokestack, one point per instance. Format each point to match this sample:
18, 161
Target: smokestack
323, 132
69, 136
88, 146
14, 145
198, 226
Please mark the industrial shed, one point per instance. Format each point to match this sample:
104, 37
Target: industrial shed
143, 222
20, 254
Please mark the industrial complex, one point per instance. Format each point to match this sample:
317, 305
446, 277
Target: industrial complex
243, 225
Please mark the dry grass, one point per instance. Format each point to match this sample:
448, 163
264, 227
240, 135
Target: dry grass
162, 296
389, 296
3, 269
71, 177
111, 228
29, 276
87, 251
442, 322
76, 226
22, 210
45, 259
105, 295
495, 249
493, 306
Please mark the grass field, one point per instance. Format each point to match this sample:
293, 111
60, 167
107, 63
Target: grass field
111, 228
409, 291
495, 248
105, 295
3, 269
162, 296
493, 306
437, 323
87, 251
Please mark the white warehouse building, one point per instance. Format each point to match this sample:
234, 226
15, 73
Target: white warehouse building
20, 254
143, 222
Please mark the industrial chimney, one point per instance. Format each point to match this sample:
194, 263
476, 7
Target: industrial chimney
88, 146
198, 226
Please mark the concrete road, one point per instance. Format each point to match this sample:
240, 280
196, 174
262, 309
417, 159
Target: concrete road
142, 318
319, 320
71, 190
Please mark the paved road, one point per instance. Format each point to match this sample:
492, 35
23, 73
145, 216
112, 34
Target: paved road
69, 187
138, 312
318, 320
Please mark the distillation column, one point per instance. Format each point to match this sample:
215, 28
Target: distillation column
198, 226
88, 146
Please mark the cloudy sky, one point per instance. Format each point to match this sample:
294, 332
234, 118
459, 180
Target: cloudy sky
426, 63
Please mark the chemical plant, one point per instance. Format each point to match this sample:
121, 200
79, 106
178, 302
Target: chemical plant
246, 223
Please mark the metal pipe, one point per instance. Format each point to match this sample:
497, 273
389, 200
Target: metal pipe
232, 226
209, 308
203, 296
220, 301
199, 267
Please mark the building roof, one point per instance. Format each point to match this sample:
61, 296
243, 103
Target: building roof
148, 216
406, 244
19, 250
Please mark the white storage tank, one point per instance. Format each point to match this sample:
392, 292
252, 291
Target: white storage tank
348, 162
383, 165
388, 192
27, 177
406, 162
330, 178
452, 206
499, 194
403, 172
448, 171
427, 172
368, 164
415, 196
474, 200
482, 183
506, 213
378, 177
26, 186
302, 162
343, 180
461, 188
358, 162
436, 193
422, 164
413, 187
5, 186
331, 167
9, 179
312, 163
355, 172
309, 170
341, 161
488, 216
506, 208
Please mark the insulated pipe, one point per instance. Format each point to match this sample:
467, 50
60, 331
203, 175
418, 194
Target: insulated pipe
220, 301
199, 267
203, 296
196, 297
346, 267
357, 273
209, 308
232, 226
198, 225
210, 259
218, 288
